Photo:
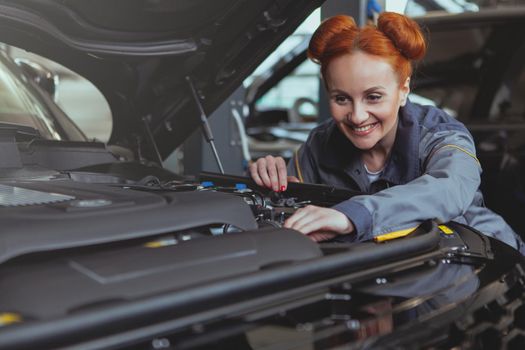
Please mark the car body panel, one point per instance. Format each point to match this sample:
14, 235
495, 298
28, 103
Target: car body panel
141, 68
101, 252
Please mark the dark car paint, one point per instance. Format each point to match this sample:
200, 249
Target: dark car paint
103, 254
141, 68
129, 293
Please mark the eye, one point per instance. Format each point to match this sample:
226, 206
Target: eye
374, 97
340, 99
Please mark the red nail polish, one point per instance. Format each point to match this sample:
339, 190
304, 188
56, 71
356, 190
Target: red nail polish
283, 188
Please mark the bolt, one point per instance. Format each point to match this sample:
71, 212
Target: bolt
353, 324
160, 343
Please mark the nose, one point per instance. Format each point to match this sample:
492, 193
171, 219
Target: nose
357, 114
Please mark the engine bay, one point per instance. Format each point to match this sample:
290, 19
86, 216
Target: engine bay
127, 255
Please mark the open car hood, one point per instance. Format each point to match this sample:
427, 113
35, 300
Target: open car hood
139, 53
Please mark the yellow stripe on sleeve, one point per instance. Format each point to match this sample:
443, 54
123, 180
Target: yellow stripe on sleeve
393, 235
8, 318
445, 229
462, 150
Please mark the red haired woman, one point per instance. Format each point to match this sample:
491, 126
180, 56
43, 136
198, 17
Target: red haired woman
413, 162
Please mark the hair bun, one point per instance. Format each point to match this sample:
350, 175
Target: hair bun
326, 31
405, 33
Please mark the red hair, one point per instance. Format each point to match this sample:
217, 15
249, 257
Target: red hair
396, 38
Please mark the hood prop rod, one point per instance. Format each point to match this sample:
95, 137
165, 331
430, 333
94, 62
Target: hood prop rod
146, 120
206, 130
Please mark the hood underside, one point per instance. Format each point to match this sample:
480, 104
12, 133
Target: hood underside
139, 53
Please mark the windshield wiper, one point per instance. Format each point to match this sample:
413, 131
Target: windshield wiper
20, 130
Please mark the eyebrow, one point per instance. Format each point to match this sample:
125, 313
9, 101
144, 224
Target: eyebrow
367, 91
338, 91
374, 88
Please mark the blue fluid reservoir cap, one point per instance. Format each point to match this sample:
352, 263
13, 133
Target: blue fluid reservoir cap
240, 186
206, 184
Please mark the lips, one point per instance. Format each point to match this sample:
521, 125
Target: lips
363, 130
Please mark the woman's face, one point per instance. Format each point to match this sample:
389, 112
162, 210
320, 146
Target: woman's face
365, 97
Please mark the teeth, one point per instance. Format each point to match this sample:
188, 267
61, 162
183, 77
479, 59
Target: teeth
364, 128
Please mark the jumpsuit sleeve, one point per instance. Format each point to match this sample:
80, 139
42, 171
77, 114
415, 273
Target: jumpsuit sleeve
449, 181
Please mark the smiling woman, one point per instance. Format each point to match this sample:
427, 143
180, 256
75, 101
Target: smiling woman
364, 99
412, 162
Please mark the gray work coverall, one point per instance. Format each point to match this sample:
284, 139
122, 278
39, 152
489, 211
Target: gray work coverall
433, 158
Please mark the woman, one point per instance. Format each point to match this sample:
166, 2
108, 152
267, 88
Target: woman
413, 162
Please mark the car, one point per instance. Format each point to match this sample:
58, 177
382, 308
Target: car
103, 248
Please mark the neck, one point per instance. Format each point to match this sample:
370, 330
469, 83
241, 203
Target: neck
376, 157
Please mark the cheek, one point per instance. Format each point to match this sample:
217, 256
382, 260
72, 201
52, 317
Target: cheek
338, 113
388, 113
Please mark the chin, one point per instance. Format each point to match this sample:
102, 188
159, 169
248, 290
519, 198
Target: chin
363, 143
363, 146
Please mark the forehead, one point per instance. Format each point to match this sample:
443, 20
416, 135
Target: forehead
359, 70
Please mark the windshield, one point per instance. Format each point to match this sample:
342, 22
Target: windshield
21, 105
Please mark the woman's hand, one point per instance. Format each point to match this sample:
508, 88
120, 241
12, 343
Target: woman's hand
320, 224
271, 172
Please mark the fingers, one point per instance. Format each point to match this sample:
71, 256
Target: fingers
281, 173
263, 168
312, 219
303, 220
271, 167
270, 172
254, 173
308, 221
321, 236
293, 179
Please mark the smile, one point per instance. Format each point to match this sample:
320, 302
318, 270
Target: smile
363, 130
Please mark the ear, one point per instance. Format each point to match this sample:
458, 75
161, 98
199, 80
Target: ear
404, 90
